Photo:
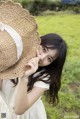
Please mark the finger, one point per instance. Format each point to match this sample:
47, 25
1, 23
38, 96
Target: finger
28, 66
38, 55
32, 69
37, 59
34, 61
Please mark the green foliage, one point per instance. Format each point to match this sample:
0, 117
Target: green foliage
72, 71
68, 26
25, 3
77, 9
36, 7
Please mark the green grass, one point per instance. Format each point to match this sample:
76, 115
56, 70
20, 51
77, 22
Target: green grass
68, 26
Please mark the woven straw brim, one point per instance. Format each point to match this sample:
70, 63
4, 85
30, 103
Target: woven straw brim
18, 18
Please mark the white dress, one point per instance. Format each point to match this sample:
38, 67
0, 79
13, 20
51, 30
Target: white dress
36, 111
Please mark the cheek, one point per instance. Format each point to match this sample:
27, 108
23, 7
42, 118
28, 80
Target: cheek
45, 63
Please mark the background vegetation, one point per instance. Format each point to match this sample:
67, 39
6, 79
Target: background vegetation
36, 7
68, 26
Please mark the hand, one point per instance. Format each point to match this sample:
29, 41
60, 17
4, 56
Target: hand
31, 66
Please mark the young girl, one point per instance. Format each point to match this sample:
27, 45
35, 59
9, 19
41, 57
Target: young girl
23, 95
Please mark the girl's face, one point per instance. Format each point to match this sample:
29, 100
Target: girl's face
46, 56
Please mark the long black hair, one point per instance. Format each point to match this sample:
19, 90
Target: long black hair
54, 41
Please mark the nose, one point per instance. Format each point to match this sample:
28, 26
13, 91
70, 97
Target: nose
41, 56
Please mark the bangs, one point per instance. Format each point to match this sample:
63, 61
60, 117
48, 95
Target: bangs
52, 46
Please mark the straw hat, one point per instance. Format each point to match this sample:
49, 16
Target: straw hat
19, 39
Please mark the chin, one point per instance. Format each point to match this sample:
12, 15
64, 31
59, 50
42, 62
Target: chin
40, 65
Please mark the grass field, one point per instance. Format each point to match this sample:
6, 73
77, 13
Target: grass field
68, 26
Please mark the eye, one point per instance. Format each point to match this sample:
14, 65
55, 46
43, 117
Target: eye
49, 59
44, 49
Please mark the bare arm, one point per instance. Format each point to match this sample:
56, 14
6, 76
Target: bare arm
23, 100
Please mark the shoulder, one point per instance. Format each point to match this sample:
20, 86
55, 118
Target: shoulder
43, 83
